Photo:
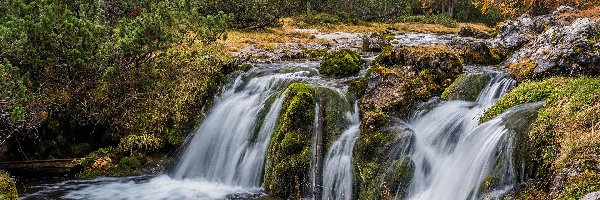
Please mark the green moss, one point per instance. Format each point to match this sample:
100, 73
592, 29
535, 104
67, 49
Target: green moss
466, 87
358, 86
289, 150
8, 188
341, 64
368, 187
314, 53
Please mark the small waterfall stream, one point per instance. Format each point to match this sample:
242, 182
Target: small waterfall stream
225, 156
452, 154
338, 168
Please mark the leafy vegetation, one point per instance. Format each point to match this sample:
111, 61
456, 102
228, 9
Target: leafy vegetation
8, 189
94, 71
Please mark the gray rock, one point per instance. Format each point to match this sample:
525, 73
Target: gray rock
374, 42
514, 34
592, 196
563, 50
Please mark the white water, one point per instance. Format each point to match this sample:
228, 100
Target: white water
452, 154
222, 149
337, 171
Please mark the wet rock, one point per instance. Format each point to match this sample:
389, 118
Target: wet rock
572, 49
469, 31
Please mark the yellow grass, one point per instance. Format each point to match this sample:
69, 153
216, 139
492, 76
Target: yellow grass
269, 37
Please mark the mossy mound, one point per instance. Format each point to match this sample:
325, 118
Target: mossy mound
289, 153
480, 53
8, 188
563, 142
466, 87
469, 31
341, 63
440, 60
522, 70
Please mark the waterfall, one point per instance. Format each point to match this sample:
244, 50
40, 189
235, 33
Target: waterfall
224, 147
452, 153
337, 172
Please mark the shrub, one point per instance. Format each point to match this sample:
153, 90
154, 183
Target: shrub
8, 189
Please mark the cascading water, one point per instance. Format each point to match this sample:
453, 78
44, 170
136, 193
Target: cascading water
225, 155
453, 155
222, 148
337, 172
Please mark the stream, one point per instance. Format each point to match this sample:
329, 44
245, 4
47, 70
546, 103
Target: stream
225, 156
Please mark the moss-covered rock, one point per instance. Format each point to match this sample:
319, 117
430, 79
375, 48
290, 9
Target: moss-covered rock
341, 64
522, 70
466, 87
289, 151
440, 60
563, 142
358, 86
399, 175
480, 53
565, 49
469, 31
8, 188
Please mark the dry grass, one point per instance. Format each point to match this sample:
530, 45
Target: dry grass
270, 37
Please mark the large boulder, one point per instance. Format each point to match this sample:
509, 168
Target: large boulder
513, 34
573, 49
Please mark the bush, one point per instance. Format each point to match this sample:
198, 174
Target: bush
90, 71
8, 189
341, 64
144, 143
